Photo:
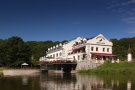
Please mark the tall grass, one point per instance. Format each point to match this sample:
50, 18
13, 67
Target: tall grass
107, 67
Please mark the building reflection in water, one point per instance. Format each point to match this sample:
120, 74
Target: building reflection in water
57, 81
53, 81
70, 82
82, 82
129, 85
25, 80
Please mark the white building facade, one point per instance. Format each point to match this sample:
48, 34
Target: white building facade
82, 49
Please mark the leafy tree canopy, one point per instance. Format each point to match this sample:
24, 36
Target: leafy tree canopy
120, 47
14, 52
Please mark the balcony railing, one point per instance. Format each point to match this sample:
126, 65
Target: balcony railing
79, 46
54, 50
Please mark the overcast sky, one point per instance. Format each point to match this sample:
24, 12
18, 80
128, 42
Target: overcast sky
41, 20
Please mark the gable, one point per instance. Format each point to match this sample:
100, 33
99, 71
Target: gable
99, 40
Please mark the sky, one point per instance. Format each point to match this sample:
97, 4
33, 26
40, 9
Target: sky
57, 20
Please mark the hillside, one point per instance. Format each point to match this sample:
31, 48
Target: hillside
120, 47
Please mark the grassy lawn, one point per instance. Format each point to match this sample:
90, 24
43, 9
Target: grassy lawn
107, 67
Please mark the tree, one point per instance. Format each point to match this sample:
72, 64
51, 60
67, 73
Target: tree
3, 54
39, 49
15, 52
121, 46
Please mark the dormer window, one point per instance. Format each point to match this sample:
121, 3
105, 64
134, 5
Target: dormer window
76, 43
81, 41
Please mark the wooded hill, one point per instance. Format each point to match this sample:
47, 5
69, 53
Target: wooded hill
14, 51
121, 46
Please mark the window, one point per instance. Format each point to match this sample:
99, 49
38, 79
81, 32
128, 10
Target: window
78, 57
53, 55
107, 49
60, 54
103, 49
74, 57
92, 48
57, 55
84, 56
96, 48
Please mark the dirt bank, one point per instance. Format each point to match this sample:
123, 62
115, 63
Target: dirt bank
19, 72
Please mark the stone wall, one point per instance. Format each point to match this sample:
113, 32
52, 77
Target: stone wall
87, 64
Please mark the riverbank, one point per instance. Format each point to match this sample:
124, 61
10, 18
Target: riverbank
112, 68
19, 72
28, 72
1, 70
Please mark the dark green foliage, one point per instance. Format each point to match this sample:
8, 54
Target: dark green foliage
120, 47
39, 48
14, 52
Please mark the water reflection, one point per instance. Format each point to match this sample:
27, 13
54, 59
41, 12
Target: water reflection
70, 82
129, 85
25, 80
45, 81
85, 82
57, 81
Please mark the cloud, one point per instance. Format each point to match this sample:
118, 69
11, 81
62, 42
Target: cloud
131, 30
128, 2
131, 1
131, 12
125, 9
113, 4
120, 3
130, 20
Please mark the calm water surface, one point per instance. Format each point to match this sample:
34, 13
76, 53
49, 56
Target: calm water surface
44, 81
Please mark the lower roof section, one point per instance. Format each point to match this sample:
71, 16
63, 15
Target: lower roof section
103, 54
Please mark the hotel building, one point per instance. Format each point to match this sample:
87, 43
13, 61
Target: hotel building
95, 49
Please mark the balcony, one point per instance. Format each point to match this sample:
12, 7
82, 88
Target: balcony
54, 50
79, 46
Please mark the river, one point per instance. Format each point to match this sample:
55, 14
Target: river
45, 81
